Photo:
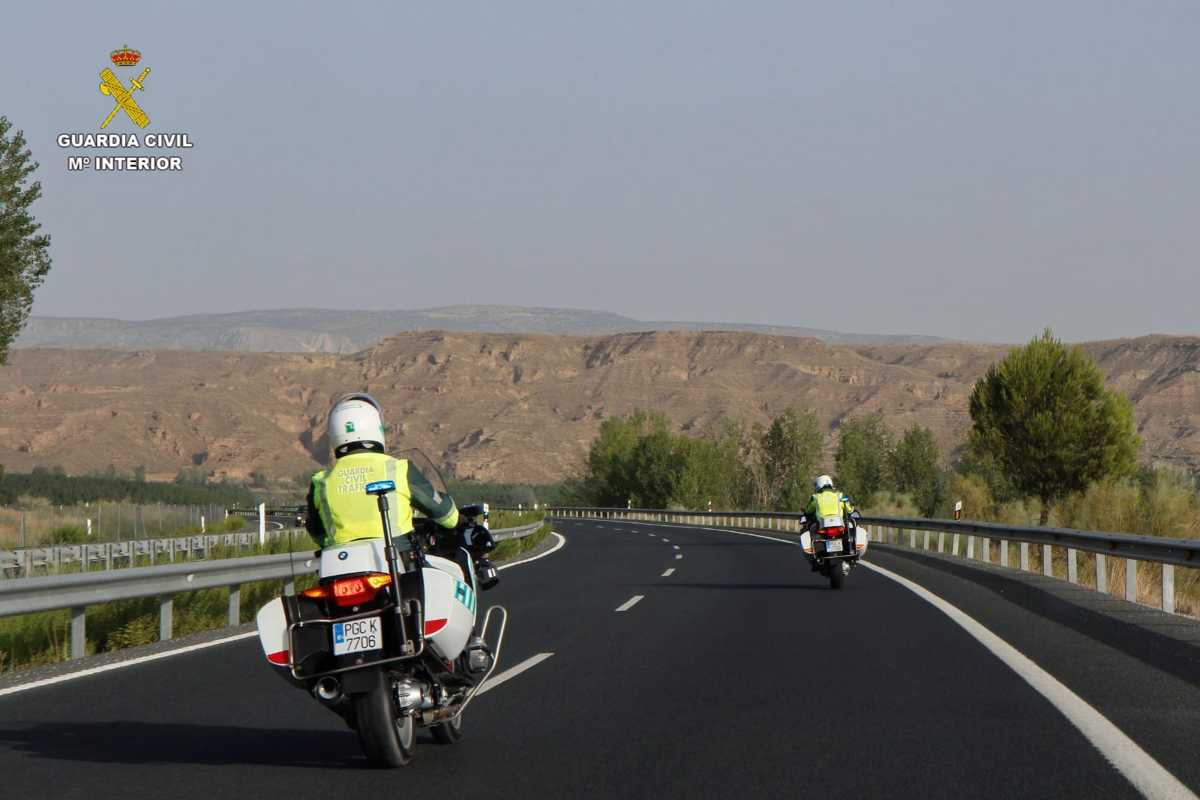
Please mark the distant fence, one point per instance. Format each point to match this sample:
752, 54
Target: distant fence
33, 527
31, 561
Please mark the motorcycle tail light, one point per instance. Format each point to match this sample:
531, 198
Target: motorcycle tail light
359, 589
832, 533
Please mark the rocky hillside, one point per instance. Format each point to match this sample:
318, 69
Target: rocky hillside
516, 407
314, 330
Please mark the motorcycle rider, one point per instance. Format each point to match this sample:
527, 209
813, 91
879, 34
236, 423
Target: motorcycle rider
827, 501
340, 511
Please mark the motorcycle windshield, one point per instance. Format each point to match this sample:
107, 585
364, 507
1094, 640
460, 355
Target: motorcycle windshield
426, 466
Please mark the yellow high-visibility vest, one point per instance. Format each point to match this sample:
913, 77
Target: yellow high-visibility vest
348, 512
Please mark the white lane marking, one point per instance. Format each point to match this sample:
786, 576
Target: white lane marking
561, 541
512, 672
83, 673
669, 573
678, 556
630, 603
675, 546
191, 648
1139, 768
665, 539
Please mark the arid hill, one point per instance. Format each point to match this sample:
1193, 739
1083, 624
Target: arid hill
516, 407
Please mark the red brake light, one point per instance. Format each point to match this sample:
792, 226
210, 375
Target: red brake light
359, 589
832, 532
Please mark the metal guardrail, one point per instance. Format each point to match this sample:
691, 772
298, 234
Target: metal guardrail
77, 591
28, 561
1134, 548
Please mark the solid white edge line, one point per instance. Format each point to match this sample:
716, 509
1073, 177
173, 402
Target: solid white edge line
561, 541
1139, 767
630, 603
668, 573
512, 672
83, 673
1149, 777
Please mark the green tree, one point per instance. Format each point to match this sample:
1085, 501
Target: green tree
611, 478
1049, 421
24, 253
914, 469
791, 452
864, 449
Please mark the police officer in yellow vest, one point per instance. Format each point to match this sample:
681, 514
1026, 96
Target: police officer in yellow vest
339, 510
828, 502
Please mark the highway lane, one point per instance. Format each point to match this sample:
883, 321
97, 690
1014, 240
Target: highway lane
739, 672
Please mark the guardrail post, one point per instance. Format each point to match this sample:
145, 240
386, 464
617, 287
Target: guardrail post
1168, 586
235, 604
289, 587
985, 544
108, 555
1131, 580
1072, 571
165, 617
912, 539
1101, 573
78, 632
956, 538
1047, 561
941, 541
1025, 556
1004, 552
926, 540
970, 547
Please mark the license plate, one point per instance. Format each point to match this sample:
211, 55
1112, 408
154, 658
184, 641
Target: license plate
357, 636
833, 546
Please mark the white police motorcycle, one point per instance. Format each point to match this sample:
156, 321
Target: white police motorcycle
382, 639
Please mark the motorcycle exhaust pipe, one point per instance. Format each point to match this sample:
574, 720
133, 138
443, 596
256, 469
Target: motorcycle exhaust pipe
328, 689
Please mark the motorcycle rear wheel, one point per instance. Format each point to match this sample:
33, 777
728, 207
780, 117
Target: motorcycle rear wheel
389, 739
837, 575
448, 732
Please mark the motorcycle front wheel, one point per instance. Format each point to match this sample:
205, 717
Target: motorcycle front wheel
389, 739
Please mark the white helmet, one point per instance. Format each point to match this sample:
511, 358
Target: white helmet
355, 418
823, 482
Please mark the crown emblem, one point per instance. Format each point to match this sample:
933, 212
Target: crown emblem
125, 56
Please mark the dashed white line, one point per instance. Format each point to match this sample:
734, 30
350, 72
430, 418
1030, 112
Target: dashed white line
675, 546
513, 672
665, 539
669, 573
630, 603
678, 556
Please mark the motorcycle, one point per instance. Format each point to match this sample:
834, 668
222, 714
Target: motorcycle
833, 544
382, 639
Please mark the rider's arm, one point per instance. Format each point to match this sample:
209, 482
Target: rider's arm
437, 506
312, 518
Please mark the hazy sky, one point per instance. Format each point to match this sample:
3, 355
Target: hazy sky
968, 169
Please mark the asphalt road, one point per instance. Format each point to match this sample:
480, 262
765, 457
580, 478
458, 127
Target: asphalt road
739, 674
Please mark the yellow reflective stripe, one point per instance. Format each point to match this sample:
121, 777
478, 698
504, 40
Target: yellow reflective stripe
395, 500
321, 501
450, 519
